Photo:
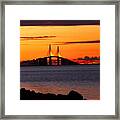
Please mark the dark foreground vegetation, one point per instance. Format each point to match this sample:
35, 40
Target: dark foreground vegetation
32, 95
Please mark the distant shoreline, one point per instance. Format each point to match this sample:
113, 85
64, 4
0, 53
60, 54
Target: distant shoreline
56, 65
58, 61
32, 95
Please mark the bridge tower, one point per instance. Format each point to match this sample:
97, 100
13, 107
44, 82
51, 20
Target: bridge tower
58, 56
50, 55
54, 59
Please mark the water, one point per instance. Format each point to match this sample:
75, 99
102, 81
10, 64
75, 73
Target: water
84, 79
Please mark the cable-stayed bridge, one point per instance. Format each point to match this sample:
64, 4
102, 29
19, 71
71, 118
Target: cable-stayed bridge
49, 60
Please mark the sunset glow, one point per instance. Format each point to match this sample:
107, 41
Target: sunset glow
73, 41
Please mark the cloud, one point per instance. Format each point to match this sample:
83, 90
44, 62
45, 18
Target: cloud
58, 22
77, 42
37, 38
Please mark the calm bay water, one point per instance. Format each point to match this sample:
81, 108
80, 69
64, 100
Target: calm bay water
84, 79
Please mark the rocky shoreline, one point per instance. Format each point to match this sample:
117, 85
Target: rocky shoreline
32, 95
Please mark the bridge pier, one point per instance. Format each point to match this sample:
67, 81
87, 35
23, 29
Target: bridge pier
50, 60
58, 60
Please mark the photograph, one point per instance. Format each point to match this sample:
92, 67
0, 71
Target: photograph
59, 59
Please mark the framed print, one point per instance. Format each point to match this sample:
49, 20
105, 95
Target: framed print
60, 60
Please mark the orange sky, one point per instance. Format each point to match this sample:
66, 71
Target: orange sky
35, 40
